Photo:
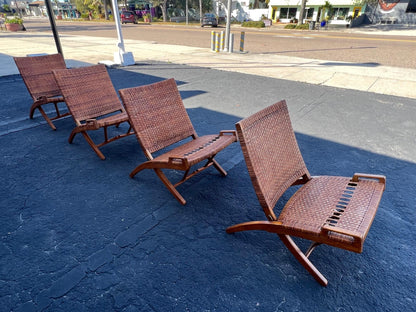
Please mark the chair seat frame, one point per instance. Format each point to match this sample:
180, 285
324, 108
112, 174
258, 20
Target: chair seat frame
93, 103
177, 159
36, 72
331, 210
159, 119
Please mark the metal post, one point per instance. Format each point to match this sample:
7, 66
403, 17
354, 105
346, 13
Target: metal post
242, 42
121, 56
217, 42
228, 26
53, 26
212, 40
186, 10
231, 44
222, 41
120, 43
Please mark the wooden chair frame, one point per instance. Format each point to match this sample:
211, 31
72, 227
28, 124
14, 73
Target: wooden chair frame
337, 211
93, 103
159, 119
37, 75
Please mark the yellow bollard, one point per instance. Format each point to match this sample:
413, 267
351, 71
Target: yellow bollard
242, 42
212, 40
217, 42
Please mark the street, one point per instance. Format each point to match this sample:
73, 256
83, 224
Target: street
341, 45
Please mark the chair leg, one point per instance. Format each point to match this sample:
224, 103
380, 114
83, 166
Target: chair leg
32, 111
136, 170
219, 168
300, 256
170, 187
92, 144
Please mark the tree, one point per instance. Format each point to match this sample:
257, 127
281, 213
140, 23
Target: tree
327, 7
302, 12
163, 4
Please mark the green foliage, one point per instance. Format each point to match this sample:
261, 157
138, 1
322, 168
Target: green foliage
14, 20
81, 6
257, 24
302, 26
290, 26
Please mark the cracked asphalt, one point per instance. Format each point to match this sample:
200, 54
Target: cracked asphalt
77, 234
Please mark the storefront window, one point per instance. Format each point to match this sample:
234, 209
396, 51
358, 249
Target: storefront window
339, 13
309, 12
287, 12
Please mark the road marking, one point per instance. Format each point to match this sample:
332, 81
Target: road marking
289, 36
335, 37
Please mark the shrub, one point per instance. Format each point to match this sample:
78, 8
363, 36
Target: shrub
290, 26
14, 20
258, 24
302, 26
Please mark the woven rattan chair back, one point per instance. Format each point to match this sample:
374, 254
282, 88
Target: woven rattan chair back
92, 101
36, 72
158, 115
159, 119
273, 165
88, 91
331, 210
37, 75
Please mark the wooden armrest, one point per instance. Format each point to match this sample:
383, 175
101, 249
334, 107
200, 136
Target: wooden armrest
228, 132
336, 229
380, 178
91, 122
178, 159
88, 125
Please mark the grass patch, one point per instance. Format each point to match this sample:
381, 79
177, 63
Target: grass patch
258, 24
290, 26
302, 26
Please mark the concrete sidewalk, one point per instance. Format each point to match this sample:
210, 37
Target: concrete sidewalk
82, 50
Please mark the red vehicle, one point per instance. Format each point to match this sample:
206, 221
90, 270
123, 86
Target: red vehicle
128, 17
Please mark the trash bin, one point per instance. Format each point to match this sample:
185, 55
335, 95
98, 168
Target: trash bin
312, 25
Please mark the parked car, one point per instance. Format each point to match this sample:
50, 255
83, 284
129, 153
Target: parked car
129, 17
209, 19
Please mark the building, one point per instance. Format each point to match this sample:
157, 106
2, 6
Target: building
62, 8
287, 11
385, 11
393, 12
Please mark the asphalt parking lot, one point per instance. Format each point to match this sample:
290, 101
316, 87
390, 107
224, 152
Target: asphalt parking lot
78, 234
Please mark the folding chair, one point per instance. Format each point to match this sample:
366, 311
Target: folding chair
93, 102
337, 211
36, 72
159, 119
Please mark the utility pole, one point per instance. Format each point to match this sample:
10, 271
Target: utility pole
228, 26
186, 8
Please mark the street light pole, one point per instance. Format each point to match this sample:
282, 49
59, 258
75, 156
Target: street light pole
186, 8
53, 26
120, 57
228, 26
